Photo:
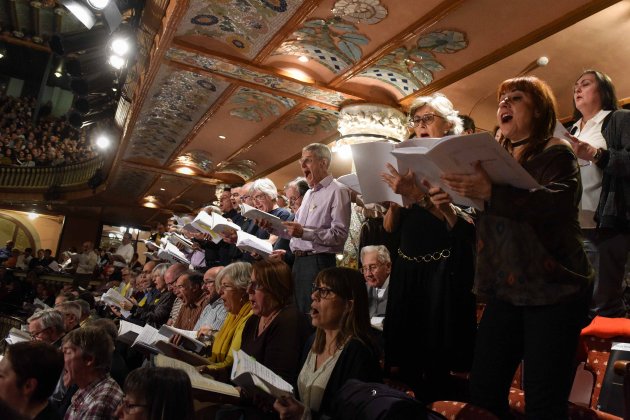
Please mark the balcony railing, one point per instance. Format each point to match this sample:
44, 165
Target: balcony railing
33, 178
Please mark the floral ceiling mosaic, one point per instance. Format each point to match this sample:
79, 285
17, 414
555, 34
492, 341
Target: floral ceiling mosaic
313, 121
244, 168
332, 42
244, 25
172, 108
254, 105
410, 69
271, 81
368, 12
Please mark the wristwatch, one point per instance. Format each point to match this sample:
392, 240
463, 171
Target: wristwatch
597, 155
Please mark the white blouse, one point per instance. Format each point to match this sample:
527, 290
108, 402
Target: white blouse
312, 382
591, 175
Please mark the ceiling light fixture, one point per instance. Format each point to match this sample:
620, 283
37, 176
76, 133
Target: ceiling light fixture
222, 137
120, 46
185, 171
58, 74
32, 215
162, 189
150, 205
303, 59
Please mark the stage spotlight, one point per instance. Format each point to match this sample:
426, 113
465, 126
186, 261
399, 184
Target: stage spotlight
106, 9
80, 11
103, 142
98, 4
121, 46
116, 61
62, 44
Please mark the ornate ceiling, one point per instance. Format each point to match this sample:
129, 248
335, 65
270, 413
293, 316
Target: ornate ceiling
242, 85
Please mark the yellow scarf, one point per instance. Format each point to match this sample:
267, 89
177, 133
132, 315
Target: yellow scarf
229, 332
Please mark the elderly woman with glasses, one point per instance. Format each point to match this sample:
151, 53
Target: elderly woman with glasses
343, 346
431, 283
232, 283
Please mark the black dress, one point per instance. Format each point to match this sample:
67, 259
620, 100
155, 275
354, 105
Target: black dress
431, 319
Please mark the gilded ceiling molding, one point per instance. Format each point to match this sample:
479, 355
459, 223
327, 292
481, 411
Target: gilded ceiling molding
235, 71
243, 168
198, 161
332, 43
254, 105
529, 39
410, 69
367, 12
245, 26
426, 21
169, 15
313, 120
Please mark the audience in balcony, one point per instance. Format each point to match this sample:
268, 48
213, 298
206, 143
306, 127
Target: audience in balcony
47, 142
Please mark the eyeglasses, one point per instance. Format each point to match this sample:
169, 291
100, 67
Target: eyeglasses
426, 120
209, 281
370, 268
127, 407
226, 287
322, 292
293, 200
260, 197
245, 197
36, 334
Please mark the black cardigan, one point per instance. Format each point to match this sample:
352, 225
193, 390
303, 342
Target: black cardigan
357, 361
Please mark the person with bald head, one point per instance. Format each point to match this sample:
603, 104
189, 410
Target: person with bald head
213, 315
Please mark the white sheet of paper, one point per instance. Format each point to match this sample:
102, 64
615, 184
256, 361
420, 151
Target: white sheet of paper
149, 335
250, 243
370, 160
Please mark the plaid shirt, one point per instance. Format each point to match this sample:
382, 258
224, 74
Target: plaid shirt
97, 401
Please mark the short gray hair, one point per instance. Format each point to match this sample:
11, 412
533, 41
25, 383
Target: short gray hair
442, 106
265, 186
382, 254
321, 151
160, 269
50, 318
85, 306
239, 272
70, 307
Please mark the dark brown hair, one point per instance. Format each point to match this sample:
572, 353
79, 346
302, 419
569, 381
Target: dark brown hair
39, 360
275, 278
349, 285
544, 105
167, 392
606, 92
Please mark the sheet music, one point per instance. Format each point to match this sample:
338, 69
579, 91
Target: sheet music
196, 379
244, 363
149, 335
126, 326
370, 160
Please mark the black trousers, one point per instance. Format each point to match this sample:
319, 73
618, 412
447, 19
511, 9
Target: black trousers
545, 338
305, 270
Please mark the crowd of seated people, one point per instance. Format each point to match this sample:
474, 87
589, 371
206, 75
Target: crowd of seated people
407, 318
47, 142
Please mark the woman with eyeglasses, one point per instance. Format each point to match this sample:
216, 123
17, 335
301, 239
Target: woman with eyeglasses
232, 283
276, 333
430, 320
602, 137
531, 268
343, 347
157, 393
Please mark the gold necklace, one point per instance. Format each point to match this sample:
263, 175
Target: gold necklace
268, 320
